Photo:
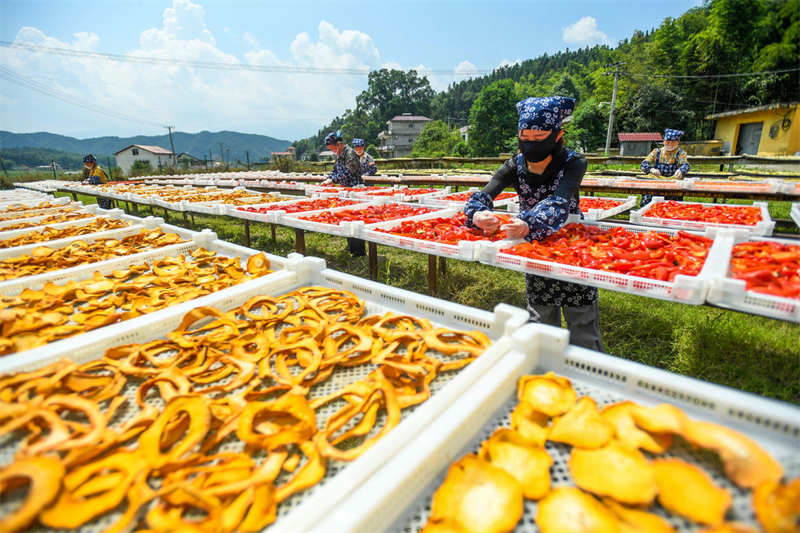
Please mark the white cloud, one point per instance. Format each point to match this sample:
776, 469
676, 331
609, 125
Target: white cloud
507, 63
251, 39
585, 32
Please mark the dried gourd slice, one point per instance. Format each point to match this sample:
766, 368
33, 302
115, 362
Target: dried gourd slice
529, 423
268, 425
196, 407
615, 470
687, 490
746, 463
548, 394
258, 264
569, 509
44, 475
625, 430
636, 521
582, 426
664, 418
528, 463
477, 496
777, 506
730, 527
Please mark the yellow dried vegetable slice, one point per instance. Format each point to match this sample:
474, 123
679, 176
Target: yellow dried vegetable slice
687, 490
528, 463
570, 510
548, 394
615, 470
626, 431
777, 506
582, 426
633, 520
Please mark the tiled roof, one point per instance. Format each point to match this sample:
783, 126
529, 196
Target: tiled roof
151, 149
624, 137
409, 118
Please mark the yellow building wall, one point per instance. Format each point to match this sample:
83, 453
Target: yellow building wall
784, 143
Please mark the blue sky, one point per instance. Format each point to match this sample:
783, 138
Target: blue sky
454, 36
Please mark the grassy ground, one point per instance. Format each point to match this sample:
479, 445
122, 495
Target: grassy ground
750, 353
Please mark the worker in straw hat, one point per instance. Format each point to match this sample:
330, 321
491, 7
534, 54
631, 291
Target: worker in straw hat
547, 177
97, 176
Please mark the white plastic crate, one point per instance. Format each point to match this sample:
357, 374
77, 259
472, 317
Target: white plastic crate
114, 214
730, 293
138, 224
397, 498
645, 183
424, 197
33, 202
791, 187
309, 506
397, 194
344, 229
7, 216
441, 199
764, 227
5, 222
593, 181
464, 250
600, 214
685, 289
770, 186
275, 215
795, 213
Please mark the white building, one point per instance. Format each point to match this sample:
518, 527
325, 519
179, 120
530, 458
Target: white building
155, 156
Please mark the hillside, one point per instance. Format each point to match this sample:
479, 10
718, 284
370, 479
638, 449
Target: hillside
196, 144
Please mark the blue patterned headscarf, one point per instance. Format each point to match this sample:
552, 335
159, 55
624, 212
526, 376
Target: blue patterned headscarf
333, 137
89, 159
358, 142
544, 113
672, 135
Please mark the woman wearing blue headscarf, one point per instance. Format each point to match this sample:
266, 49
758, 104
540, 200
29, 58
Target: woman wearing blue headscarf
368, 166
547, 178
347, 167
667, 163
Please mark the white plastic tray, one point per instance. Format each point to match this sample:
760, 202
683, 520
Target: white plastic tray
441, 199
306, 508
114, 214
397, 498
13, 218
344, 229
275, 215
731, 294
795, 213
465, 250
203, 238
424, 197
764, 227
645, 183
791, 187
592, 181
32, 202
686, 289
770, 186
600, 214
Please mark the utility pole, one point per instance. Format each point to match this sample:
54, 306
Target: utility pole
246, 153
616, 74
108, 160
174, 158
228, 151
221, 156
2, 164
54, 170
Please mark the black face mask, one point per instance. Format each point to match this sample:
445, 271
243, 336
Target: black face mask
536, 151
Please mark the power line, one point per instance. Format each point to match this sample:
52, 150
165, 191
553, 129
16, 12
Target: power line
714, 76
216, 65
28, 83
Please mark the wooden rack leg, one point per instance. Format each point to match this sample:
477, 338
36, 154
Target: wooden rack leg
135, 208
300, 240
192, 215
247, 233
373, 261
274, 233
185, 219
75, 197
166, 215
443, 266
432, 289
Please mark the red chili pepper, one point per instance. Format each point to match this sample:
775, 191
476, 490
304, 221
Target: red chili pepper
369, 215
298, 207
717, 214
650, 255
445, 230
768, 267
598, 203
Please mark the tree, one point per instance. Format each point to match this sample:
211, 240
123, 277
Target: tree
587, 130
654, 108
394, 92
493, 118
460, 149
435, 141
371, 150
566, 87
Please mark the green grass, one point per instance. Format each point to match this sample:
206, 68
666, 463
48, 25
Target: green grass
749, 353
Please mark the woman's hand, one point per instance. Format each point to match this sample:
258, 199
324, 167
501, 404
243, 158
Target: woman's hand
486, 221
517, 229
327, 182
655, 172
678, 175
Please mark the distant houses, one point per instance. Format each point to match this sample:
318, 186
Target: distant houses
154, 156
290, 153
398, 139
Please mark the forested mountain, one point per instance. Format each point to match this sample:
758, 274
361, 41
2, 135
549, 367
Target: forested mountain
196, 144
673, 76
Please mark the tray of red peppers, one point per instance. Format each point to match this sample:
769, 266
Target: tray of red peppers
266, 213
599, 203
596, 208
462, 197
614, 257
768, 267
371, 214
446, 235
755, 218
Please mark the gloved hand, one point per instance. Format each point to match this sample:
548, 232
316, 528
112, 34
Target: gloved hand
486, 221
678, 175
327, 182
516, 229
655, 172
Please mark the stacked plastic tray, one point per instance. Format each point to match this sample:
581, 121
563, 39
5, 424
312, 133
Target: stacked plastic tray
764, 227
600, 214
631, 183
